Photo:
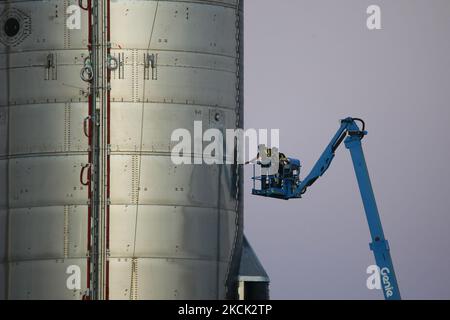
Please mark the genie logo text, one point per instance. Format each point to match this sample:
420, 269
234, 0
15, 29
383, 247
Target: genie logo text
380, 279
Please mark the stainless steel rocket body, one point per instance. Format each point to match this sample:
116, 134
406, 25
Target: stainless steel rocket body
147, 229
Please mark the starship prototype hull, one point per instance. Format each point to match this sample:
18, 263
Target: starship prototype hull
91, 205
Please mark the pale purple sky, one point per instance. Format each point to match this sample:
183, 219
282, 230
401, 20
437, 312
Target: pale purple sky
309, 64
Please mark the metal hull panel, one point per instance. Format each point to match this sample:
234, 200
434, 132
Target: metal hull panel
41, 279
156, 279
48, 233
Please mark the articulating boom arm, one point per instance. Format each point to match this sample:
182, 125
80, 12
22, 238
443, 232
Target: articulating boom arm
351, 134
286, 185
348, 127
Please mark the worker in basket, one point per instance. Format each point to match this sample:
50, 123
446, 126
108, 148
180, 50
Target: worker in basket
269, 161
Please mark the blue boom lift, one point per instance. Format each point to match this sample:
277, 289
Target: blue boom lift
286, 184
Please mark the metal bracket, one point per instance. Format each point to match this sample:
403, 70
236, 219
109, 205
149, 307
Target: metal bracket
51, 67
113, 63
151, 62
379, 245
88, 168
120, 65
87, 72
86, 122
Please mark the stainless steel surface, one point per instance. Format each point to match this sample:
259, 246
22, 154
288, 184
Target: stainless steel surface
175, 231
